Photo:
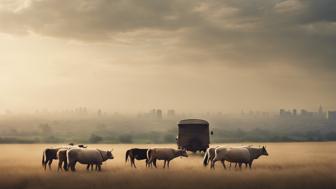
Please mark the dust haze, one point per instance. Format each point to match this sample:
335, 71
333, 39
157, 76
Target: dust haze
121, 74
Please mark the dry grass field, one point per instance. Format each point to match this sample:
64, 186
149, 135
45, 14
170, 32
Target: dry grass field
289, 165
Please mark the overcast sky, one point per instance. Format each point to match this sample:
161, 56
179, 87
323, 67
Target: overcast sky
191, 55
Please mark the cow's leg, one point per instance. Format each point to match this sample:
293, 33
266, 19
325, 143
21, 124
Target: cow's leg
250, 165
223, 163
168, 163
150, 162
59, 165
154, 163
164, 164
65, 165
99, 167
240, 166
132, 161
49, 164
213, 164
88, 167
73, 166
45, 165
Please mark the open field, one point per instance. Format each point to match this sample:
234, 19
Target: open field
290, 165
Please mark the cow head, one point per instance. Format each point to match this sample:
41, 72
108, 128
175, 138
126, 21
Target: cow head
264, 151
183, 153
109, 154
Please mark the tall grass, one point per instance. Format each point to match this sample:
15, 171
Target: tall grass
290, 165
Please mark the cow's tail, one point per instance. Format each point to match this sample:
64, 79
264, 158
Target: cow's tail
67, 165
206, 158
149, 151
44, 158
127, 155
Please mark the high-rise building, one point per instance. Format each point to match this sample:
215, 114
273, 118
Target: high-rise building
294, 112
159, 114
171, 113
320, 111
332, 115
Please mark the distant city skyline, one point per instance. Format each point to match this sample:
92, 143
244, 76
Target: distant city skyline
171, 111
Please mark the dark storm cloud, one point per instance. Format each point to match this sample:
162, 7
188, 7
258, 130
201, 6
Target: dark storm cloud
97, 19
320, 11
243, 32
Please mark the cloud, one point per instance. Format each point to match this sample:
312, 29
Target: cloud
98, 19
231, 32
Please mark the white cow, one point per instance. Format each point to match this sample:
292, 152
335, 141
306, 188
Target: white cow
238, 155
166, 154
62, 157
88, 157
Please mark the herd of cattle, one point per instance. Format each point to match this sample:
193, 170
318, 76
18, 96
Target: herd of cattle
68, 156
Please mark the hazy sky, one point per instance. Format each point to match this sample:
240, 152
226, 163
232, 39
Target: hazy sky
134, 55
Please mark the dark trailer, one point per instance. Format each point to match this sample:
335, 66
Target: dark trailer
193, 135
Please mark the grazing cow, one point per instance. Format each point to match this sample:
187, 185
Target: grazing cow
208, 156
87, 156
138, 154
238, 155
166, 154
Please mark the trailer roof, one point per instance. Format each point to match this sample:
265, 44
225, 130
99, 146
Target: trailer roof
193, 122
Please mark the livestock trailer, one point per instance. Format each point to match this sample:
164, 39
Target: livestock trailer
193, 135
